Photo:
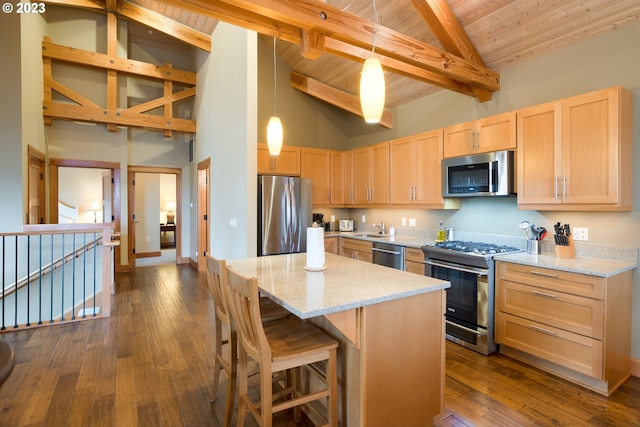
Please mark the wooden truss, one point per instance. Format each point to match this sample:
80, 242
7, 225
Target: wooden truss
82, 109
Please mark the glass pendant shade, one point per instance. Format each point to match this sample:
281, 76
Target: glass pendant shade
274, 135
372, 90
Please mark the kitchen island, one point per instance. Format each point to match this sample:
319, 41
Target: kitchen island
390, 325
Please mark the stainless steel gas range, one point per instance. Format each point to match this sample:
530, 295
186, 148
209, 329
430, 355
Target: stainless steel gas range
469, 267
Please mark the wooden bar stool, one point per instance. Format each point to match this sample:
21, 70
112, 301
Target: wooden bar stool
278, 347
227, 361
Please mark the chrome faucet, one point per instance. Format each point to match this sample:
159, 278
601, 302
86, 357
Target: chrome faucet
380, 226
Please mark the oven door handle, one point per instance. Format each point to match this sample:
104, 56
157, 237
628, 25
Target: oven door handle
464, 328
479, 271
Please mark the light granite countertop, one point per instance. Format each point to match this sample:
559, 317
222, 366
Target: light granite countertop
343, 285
402, 240
590, 266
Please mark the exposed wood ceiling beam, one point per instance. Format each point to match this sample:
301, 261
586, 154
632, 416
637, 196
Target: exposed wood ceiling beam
104, 61
359, 54
440, 18
315, 16
164, 24
336, 97
144, 16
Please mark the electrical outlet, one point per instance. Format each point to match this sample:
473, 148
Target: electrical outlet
404, 221
581, 233
333, 218
364, 219
412, 222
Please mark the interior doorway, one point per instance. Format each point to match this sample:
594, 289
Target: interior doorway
36, 186
107, 205
154, 220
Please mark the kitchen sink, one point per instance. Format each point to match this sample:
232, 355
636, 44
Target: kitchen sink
376, 235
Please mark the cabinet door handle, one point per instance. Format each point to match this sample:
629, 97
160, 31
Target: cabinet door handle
564, 187
555, 190
544, 331
328, 195
543, 294
471, 139
540, 273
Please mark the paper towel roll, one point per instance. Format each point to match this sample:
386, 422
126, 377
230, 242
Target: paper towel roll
315, 248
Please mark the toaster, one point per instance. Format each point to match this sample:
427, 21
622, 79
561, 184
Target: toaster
345, 225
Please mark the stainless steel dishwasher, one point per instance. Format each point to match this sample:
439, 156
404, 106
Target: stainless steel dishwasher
389, 255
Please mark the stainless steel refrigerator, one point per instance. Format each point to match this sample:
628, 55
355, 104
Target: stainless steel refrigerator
284, 213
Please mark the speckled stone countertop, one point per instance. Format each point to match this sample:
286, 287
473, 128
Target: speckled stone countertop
343, 285
403, 240
590, 266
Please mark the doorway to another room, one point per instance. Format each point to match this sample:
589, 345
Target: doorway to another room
154, 217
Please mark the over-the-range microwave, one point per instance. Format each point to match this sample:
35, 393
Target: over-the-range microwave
488, 174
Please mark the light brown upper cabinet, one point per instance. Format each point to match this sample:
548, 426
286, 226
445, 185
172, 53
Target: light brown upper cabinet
481, 136
576, 154
371, 174
337, 180
286, 163
315, 163
349, 182
415, 168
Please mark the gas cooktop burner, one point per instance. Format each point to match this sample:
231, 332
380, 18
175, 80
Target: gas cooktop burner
477, 248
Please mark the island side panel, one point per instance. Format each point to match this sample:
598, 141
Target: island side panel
349, 363
403, 361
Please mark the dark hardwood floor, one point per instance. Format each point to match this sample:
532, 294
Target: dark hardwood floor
150, 364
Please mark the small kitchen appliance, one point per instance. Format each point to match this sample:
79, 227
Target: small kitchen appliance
345, 225
469, 267
318, 218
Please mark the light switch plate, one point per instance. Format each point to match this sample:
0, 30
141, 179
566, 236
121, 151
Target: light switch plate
412, 222
364, 219
404, 221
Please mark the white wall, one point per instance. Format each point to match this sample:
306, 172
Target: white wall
226, 112
11, 170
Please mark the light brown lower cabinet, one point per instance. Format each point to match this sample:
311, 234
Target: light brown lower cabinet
331, 245
356, 249
414, 261
576, 326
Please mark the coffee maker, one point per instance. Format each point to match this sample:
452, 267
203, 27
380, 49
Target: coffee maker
318, 218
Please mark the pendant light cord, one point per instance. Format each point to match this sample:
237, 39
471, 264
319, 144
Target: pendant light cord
374, 32
274, 76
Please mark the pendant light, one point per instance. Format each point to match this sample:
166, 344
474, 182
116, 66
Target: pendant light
372, 87
274, 128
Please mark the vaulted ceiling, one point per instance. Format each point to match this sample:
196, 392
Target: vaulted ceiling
424, 45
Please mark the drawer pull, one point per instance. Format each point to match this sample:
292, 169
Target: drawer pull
544, 331
539, 273
543, 294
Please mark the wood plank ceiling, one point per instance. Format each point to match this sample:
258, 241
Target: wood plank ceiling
424, 45
504, 32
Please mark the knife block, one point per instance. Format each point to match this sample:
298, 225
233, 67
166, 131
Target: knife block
568, 251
